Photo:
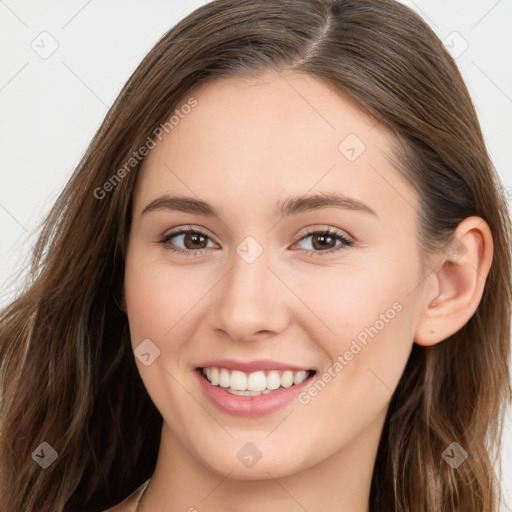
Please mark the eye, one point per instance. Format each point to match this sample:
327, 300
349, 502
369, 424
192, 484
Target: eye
325, 241
193, 240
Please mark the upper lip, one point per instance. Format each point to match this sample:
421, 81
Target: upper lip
251, 366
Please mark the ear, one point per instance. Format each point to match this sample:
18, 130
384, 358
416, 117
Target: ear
459, 277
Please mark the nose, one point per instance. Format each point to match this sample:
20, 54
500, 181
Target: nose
250, 301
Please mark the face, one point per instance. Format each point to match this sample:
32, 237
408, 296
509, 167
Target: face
271, 281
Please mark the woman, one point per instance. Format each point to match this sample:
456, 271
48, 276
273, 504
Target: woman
279, 279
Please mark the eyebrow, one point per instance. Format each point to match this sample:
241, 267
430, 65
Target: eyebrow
291, 206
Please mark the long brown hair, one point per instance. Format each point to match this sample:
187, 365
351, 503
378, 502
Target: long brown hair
68, 376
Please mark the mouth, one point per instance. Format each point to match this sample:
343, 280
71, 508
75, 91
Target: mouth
239, 392
256, 383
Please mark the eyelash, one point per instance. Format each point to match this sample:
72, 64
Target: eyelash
346, 242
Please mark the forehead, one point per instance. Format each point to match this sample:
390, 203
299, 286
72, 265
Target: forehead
254, 141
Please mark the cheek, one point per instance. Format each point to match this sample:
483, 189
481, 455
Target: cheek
157, 298
356, 302
157, 304
368, 323
147, 304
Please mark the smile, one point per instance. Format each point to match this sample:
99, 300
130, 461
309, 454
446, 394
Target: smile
253, 392
254, 383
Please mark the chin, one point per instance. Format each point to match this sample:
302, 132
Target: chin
252, 460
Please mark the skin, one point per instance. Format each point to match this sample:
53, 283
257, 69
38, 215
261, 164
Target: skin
247, 144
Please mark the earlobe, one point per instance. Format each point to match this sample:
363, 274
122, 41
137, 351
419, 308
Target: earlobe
459, 278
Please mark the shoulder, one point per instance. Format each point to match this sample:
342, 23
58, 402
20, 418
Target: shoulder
129, 504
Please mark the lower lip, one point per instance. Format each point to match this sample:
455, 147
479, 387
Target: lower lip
249, 406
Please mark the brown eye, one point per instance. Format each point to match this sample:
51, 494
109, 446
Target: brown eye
326, 241
193, 241
322, 241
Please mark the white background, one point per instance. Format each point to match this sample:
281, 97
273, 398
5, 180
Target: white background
51, 107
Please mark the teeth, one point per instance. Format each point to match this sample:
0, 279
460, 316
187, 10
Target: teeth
255, 383
287, 379
224, 380
247, 393
239, 381
214, 377
273, 380
300, 376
